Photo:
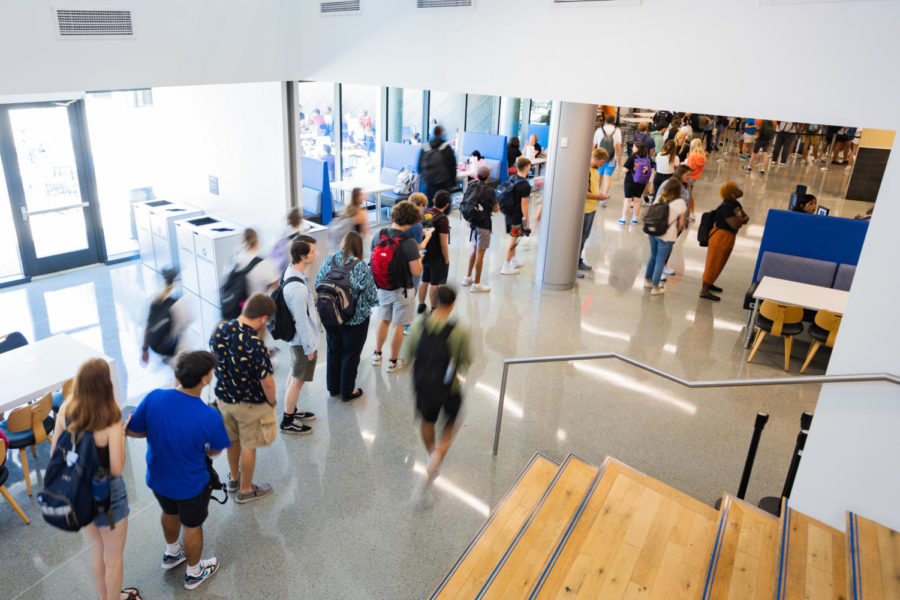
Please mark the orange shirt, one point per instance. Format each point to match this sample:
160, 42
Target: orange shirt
696, 162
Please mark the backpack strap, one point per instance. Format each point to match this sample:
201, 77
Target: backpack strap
253, 262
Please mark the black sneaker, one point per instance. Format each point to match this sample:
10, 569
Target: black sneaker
304, 415
294, 426
421, 309
583, 266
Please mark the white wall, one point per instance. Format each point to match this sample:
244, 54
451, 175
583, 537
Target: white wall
234, 132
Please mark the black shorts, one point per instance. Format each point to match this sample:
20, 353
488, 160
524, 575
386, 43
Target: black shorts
192, 512
435, 273
634, 190
761, 145
514, 222
430, 406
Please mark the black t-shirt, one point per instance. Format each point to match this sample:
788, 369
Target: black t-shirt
522, 189
629, 170
441, 223
408, 248
488, 199
724, 211
512, 153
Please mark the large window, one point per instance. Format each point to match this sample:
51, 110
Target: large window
315, 122
405, 116
121, 124
481, 114
359, 150
447, 109
540, 112
10, 264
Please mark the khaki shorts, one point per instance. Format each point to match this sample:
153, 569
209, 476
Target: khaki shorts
301, 367
253, 425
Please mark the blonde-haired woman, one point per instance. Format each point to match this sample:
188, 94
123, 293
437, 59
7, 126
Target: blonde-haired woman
93, 409
696, 160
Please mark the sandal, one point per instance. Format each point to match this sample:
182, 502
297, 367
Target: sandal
356, 394
132, 593
710, 296
715, 288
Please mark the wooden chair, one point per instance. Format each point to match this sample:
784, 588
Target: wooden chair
62, 395
782, 320
26, 427
4, 474
823, 331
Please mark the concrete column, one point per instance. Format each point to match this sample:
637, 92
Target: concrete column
571, 136
395, 114
509, 116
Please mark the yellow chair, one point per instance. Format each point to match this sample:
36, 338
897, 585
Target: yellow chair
782, 320
26, 427
823, 330
4, 473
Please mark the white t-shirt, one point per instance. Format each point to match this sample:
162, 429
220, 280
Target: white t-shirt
611, 130
687, 130
664, 165
261, 276
677, 208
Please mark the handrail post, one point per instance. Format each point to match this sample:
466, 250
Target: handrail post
761, 420
500, 407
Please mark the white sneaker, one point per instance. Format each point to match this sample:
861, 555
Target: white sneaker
508, 270
479, 288
376, 358
668, 271
467, 281
514, 263
603, 204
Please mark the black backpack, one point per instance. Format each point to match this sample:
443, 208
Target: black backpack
656, 219
434, 165
281, 324
335, 301
434, 369
234, 292
471, 207
68, 498
506, 196
707, 222
159, 328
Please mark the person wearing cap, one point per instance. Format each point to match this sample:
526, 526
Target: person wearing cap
480, 234
729, 218
167, 320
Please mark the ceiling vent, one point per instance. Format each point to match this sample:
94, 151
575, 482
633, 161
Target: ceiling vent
445, 3
340, 7
88, 24
598, 2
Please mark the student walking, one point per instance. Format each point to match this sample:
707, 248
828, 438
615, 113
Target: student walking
637, 175
437, 164
395, 261
245, 393
182, 433
730, 217
765, 133
436, 261
299, 298
167, 321
92, 409
599, 157
440, 350
609, 137
661, 245
346, 341
513, 195
479, 203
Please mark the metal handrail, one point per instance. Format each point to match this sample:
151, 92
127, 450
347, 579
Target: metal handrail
854, 378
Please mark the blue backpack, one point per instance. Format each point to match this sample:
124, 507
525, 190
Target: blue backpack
68, 498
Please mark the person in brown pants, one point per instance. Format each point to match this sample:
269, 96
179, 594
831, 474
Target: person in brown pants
730, 217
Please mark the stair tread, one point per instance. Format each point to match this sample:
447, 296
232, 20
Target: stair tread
637, 537
744, 559
519, 568
475, 565
875, 559
812, 562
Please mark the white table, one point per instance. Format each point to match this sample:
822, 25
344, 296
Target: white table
367, 187
31, 371
636, 119
783, 291
537, 162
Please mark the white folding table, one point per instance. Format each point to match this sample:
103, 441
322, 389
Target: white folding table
367, 187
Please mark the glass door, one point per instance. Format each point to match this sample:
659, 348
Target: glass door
50, 185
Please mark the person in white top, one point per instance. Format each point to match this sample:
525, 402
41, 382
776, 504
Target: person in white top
609, 137
666, 161
264, 276
661, 246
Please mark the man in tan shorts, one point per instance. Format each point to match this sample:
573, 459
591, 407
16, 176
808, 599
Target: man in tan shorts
245, 393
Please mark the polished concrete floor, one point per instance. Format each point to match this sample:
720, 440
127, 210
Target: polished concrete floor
339, 524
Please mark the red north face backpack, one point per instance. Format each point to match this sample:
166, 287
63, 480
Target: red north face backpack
388, 267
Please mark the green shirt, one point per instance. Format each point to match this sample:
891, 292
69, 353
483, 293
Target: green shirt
458, 343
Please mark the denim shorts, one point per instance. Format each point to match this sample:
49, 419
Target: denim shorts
118, 503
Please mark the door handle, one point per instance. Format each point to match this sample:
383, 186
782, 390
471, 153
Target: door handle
24, 214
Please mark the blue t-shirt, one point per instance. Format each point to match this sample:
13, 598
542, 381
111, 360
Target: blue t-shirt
416, 232
179, 427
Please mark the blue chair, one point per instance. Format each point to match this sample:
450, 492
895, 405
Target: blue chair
26, 427
11, 341
4, 475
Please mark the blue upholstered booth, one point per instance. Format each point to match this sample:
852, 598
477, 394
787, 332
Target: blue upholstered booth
491, 147
541, 131
316, 191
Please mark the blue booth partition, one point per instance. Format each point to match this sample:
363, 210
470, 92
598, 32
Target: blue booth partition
833, 239
316, 191
541, 131
491, 147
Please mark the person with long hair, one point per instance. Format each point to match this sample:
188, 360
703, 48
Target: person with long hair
729, 218
356, 212
661, 246
345, 342
92, 409
666, 161
633, 191
696, 160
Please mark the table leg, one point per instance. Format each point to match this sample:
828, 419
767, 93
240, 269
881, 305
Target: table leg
377, 208
752, 323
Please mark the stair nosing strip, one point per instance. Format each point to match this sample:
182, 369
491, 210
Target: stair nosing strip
782, 560
575, 519
488, 522
714, 559
525, 526
854, 556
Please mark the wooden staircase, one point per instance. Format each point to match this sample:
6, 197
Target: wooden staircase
574, 531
